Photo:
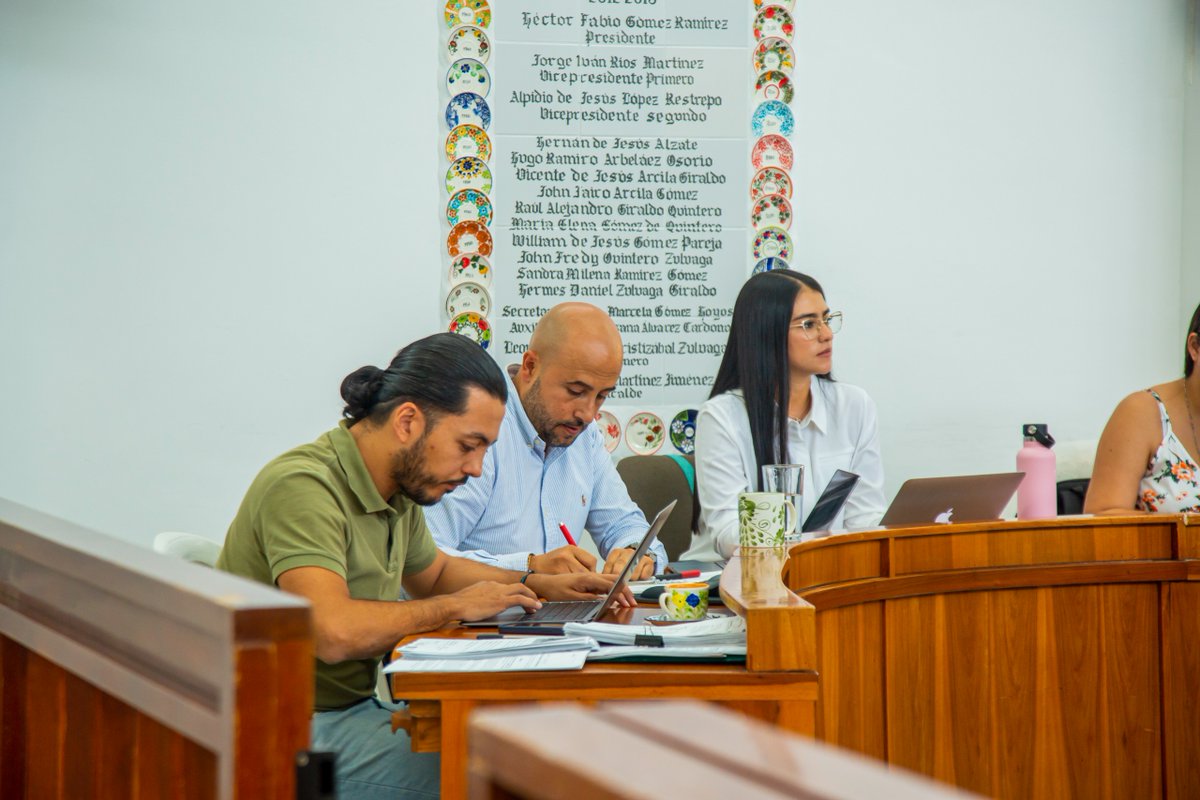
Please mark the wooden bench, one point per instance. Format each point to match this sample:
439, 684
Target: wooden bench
128, 674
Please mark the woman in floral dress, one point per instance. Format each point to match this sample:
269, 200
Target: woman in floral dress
1149, 452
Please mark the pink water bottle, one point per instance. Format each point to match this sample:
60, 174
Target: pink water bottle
1037, 497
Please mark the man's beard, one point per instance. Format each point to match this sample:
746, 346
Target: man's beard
412, 479
540, 418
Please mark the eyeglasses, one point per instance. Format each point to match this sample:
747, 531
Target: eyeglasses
809, 328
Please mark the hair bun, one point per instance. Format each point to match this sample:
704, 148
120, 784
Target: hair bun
360, 390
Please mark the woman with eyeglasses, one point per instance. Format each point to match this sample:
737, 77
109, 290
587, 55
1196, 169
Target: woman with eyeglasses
1149, 453
774, 401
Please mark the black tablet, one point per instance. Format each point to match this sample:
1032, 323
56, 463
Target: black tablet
830, 502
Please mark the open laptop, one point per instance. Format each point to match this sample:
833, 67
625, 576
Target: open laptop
558, 612
961, 498
830, 502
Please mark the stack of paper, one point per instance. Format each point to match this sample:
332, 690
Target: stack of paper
724, 631
493, 655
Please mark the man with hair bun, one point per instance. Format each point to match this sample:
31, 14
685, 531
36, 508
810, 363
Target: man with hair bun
339, 522
549, 465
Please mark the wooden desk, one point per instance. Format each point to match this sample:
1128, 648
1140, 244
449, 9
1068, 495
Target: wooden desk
439, 703
1056, 658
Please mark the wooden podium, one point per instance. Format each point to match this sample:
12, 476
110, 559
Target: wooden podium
1057, 658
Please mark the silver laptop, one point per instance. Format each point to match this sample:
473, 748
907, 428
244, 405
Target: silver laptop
961, 498
559, 612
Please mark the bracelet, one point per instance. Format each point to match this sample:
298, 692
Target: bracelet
525, 577
529, 564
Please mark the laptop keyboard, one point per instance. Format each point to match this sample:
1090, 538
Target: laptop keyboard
561, 611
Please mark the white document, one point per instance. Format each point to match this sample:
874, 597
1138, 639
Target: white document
569, 659
617, 651
492, 648
729, 630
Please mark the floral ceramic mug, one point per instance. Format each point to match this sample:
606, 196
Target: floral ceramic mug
683, 602
765, 519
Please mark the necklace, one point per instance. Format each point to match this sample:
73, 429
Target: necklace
1187, 401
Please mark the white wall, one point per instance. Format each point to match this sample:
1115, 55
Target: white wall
210, 214
1190, 296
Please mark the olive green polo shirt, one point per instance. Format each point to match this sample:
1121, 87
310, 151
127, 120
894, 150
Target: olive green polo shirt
316, 506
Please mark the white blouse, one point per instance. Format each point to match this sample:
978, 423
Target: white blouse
841, 431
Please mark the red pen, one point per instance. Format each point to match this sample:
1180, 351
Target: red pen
562, 526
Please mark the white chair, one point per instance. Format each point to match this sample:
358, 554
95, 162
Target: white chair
1073, 459
188, 546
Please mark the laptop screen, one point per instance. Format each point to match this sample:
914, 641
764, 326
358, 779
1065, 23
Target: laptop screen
660, 519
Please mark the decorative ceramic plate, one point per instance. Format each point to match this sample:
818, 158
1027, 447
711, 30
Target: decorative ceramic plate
683, 431
470, 268
772, 150
474, 327
469, 237
610, 429
468, 140
773, 85
644, 433
772, 116
469, 42
468, 297
467, 205
771, 243
774, 53
773, 21
770, 180
788, 4
771, 210
768, 264
468, 108
468, 12
468, 173
468, 75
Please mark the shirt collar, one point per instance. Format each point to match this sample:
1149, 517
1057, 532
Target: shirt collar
357, 476
528, 433
818, 412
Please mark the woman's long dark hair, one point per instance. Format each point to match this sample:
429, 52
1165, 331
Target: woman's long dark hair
1188, 363
756, 359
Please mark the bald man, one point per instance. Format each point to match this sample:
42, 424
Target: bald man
549, 465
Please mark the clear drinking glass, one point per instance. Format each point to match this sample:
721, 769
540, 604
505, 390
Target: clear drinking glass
788, 479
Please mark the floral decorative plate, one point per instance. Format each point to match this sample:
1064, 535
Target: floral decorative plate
770, 180
773, 85
771, 210
768, 264
772, 150
610, 429
772, 242
468, 297
474, 327
468, 12
774, 21
772, 116
774, 53
468, 75
468, 173
470, 236
470, 268
469, 42
468, 140
788, 4
683, 431
468, 108
644, 433
469, 204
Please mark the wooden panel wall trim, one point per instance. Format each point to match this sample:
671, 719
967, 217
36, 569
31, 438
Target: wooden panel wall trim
994, 579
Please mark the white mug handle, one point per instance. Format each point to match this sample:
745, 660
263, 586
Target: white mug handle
662, 602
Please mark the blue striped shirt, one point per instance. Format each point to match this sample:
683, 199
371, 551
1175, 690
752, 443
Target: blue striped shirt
514, 507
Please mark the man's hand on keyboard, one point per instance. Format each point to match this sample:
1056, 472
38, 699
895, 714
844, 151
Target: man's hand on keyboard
577, 586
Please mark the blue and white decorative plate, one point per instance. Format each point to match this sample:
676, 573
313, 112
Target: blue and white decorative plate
772, 116
468, 75
467, 205
768, 264
683, 431
468, 108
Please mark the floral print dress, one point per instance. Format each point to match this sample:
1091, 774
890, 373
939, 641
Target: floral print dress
1171, 483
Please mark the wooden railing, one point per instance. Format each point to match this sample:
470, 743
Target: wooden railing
128, 674
681, 749
1015, 659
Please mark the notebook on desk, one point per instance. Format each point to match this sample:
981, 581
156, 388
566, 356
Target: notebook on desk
960, 498
558, 612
